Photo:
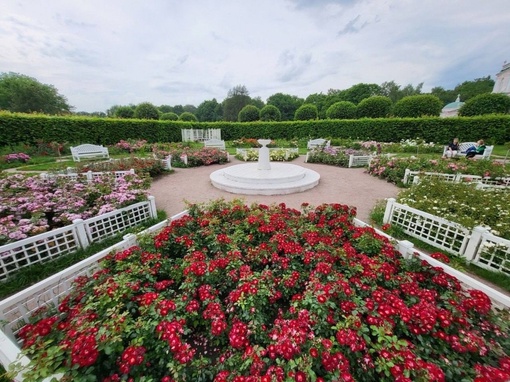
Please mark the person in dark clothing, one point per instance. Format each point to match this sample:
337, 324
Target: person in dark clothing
453, 149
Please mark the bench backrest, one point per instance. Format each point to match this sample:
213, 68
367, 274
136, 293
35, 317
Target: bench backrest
215, 143
313, 143
89, 148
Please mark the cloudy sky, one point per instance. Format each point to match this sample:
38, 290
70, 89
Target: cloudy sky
101, 53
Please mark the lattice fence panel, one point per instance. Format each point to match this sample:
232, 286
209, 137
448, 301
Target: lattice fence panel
435, 231
23, 253
109, 224
359, 160
494, 254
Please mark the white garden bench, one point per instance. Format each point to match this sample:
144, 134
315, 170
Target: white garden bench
216, 143
89, 151
466, 145
319, 142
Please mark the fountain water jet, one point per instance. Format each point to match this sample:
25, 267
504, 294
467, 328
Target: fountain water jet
264, 178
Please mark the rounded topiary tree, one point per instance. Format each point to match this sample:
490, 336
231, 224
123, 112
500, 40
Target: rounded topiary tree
169, 116
124, 112
416, 106
374, 107
306, 112
188, 117
249, 113
270, 113
341, 110
146, 110
487, 103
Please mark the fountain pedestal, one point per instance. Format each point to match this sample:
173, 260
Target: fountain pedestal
264, 178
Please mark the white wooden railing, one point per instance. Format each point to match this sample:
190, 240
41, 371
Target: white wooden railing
88, 176
477, 246
79, 235
359, 160
16, 310
244, 153
200, 135
482, 182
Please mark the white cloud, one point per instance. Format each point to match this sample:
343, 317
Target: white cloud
99, 53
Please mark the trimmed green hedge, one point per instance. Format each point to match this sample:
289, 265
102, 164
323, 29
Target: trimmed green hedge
27, 128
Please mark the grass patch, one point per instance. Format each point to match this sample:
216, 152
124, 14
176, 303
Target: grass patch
28, 276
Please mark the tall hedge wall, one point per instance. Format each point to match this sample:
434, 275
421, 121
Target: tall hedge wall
24, 128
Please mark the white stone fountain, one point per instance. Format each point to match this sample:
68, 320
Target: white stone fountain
263, 177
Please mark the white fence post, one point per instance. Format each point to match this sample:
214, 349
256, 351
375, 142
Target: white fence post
89, 175
351, 160
406, 176
416, 180
152, 205
389, 210
406, 248
474, 242
130, 240
79, 227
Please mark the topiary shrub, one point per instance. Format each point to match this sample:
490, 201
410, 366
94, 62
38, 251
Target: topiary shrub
270, 113
146, 110
488, 103
374, 107
249, 113
341, 110
416, 106
169, 117
306, 112
124, 112
188, 117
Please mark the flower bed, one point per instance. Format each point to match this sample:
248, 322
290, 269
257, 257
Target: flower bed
275, 154
393, 169
232, 293
30, 205
333, 155
146, 166
196, 157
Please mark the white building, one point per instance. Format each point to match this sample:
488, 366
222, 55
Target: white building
502, 84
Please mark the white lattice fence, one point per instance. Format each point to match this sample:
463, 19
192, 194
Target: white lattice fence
436, 231
493, 253
194, 135
87, 176
80, 234
483, 182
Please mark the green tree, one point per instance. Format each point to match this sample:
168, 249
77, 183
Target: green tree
341, 110
169, 116
257, 101
470, 89
237, 98
178, 109
270, 113
418, 106
188, 117
320, 102
249, 113
374, 107
446, 96
146, 110
396, 93
190, 109
488, 103
124, 112
306, 112
24, 94
359, 92
209, 111
166, 109
286, 103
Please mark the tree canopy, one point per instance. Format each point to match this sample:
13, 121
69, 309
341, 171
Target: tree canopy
24, 94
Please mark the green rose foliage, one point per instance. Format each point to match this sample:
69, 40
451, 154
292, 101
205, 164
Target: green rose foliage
270, 113
188, 117
374, 107
306, 112
417, 106
341, 110
489, 103
249, 113
169, 116
146, 110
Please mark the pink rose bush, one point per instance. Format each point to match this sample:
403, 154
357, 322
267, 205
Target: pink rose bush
30, 205
196, 157
19, 157
268, 293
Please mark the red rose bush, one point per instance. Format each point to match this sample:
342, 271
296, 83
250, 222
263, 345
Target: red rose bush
268, 293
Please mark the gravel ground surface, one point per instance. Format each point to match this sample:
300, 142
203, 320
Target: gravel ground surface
351, 186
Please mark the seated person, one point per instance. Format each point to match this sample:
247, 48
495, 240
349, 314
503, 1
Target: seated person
477, 149
453, 149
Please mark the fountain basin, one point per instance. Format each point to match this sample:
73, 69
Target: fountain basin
280, 179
